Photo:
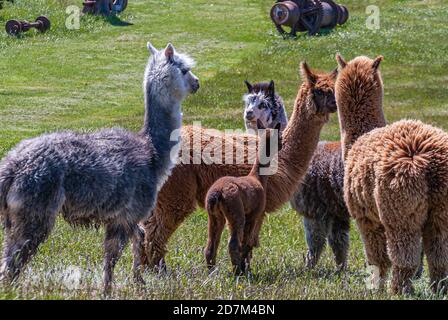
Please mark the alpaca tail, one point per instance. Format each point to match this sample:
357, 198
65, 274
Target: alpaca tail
407, 164
213, 199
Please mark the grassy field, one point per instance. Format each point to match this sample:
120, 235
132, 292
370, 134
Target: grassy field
91, 78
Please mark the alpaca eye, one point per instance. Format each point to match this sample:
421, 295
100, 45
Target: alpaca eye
184, 71
318, 92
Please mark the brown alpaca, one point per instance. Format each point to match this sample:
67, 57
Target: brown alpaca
240, 201
396, 180
189, 183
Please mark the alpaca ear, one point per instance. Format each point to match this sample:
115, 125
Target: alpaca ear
151, 48
341, 62
334, 74
307, 74
376, 62
271, 87
169, 51
249, 86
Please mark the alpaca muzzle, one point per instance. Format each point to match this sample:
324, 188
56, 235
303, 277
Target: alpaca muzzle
195, 86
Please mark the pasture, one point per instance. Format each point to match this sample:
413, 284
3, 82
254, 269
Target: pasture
91, 78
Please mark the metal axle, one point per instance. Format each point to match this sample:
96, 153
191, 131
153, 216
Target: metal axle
15, 27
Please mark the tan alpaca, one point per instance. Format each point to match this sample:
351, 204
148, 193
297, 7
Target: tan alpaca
396, 180
240, 201
189, 183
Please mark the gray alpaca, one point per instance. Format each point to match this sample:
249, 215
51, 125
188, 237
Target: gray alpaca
110, 177
320, 199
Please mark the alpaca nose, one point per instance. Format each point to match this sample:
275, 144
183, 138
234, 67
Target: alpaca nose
195, 85
249, 115
333, 106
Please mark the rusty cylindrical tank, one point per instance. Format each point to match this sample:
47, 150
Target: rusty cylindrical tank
307, 15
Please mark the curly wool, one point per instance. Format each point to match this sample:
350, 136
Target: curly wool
320, 199
395, 180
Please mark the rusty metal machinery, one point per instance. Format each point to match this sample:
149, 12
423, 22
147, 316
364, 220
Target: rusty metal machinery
104, 7
15, 27
307, 15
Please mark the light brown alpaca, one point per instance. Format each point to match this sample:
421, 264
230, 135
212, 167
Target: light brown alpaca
396, 180
241, 201
189, 183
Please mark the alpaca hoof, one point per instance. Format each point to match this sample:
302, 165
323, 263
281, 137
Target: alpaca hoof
310, 263
341, 269
403, 290
138, 280
140, 285
211, 268
107, 291
159, 267
237, 271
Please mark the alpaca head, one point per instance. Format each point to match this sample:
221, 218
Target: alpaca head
359, 95
319, 88
260, 104
359, 88
169, 73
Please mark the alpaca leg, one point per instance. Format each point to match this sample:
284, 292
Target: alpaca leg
339, 240
403, 214
375, 244
405, 251
137, 247
22, 240
216, 223
420, 269
117, 237
252, 227
316, 231
167, 217
435, 240
236, 221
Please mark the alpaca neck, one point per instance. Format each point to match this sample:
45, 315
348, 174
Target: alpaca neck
162, 117
300, 139
256, 172
354, 124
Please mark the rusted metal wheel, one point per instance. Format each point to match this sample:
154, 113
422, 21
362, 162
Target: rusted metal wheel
104, 7
119, 6
13, 27
44, 24
299, 15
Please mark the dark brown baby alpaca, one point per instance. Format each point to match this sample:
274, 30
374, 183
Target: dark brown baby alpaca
241, 202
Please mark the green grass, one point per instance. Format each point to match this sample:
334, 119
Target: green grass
91, 78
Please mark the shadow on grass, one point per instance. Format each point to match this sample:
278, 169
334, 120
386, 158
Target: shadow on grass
293, 272
303, 35
117, 22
